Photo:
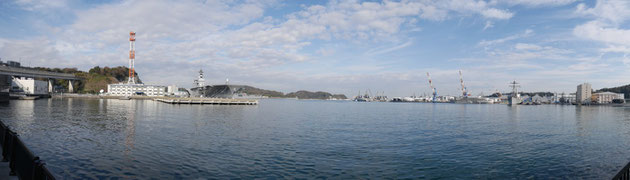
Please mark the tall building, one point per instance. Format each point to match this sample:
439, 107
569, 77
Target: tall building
583, 94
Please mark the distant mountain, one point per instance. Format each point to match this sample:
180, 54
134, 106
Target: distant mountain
256, 91
315, 95
299, 94
621, 89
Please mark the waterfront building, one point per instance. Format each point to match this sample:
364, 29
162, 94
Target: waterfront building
29, 86
607, 97
542, 99
563, 98
583, 94
136, 89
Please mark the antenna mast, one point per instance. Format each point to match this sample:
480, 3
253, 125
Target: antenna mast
132, 57
514, 86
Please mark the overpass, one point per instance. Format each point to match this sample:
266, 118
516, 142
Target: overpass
32, 73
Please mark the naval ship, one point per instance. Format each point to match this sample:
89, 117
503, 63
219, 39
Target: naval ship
219, 91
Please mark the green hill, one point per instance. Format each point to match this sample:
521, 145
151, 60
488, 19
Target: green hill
314, 95
262, 92
95, 79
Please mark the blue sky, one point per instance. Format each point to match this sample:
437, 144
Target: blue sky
335, 46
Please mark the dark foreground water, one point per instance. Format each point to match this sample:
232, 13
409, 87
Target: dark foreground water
91, 138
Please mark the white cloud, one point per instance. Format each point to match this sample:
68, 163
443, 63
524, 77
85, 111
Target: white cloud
489, 24
616, 49
36, 5
607, 11
598, 31
37, 52
537, 3
605, 26
381, 50
524, 46
474, 7
497, 13
526, 33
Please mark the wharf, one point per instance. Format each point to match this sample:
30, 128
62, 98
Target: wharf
213, 101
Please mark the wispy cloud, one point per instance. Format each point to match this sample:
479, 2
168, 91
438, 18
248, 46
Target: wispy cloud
527, 33
381, 50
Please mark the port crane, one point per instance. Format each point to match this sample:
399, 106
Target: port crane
461, 80
432, 88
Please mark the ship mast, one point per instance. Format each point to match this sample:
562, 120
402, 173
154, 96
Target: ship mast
461, 80
514, 86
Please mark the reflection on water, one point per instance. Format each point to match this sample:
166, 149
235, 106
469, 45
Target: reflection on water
99, 138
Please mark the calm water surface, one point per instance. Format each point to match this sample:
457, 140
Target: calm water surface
92, 138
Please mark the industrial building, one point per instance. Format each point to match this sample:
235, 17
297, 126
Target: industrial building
607, 97
136, 89
29, 86
583, 94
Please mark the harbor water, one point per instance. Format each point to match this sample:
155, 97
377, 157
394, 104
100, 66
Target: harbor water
281, 138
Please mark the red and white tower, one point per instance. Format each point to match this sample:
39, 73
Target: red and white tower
132, 57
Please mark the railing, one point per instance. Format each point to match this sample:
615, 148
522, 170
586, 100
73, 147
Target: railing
624, 174
22, 161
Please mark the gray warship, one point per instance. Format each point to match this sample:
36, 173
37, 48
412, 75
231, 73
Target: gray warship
219, 91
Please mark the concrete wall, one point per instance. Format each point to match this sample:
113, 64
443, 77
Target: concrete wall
30, 86
5, 83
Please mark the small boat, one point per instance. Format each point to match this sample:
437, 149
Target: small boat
27, 97
22, 97
125, 98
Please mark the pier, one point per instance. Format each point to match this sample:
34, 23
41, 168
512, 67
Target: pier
17, 160
210, 101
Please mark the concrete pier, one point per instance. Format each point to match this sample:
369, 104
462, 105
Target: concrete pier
210, 101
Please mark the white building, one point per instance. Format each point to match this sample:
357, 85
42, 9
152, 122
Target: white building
606, 97
564, 98
29, 86
136, 89
583, 94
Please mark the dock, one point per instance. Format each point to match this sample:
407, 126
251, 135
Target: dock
210, 101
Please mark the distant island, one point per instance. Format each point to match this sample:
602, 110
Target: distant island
302, 94
315, 95
98, 77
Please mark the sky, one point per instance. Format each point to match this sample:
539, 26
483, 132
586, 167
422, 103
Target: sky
335, 46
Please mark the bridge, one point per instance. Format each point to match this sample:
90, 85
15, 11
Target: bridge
32, 73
